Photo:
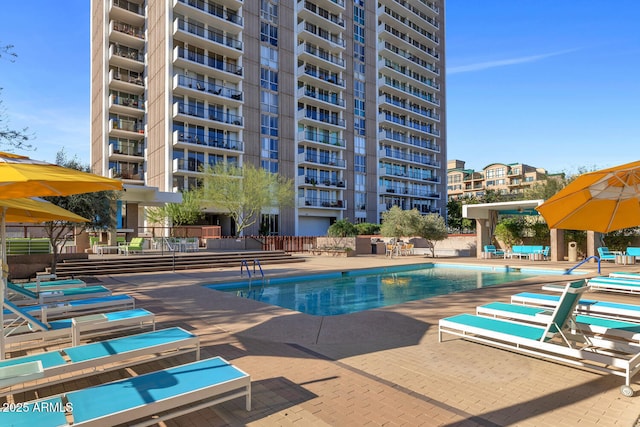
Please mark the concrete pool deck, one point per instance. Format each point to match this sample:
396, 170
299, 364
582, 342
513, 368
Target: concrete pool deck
377, 367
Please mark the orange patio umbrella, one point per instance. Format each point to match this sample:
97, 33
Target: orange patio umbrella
602, 201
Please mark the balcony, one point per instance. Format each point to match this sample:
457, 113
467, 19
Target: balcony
132, 106
207, 65
312, 54
122, 149
420, 159
407, 57
188, 165
210, 91
203, 115
328, 80
126, 81
324, 160
126, 34
332, 99
403, 89
126, 11
320, 36
126, 57
212, 13
126, 174
314, 181
125, 128
321, 138
207, 38
327, 120
222, 142
315, 202
315, 14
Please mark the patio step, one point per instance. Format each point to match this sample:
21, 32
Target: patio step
147, 263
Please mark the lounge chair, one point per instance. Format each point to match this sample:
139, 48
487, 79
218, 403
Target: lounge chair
590, 325
493, 251
553, 340
51, 285
609, 309
23, 296
163, 395
614, 284
607, 255
94, 358
79, 307
25, 330
135, 245
625, 275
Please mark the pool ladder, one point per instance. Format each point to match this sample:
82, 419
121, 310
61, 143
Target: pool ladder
245, 264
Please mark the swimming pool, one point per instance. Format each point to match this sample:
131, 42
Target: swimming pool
352, 291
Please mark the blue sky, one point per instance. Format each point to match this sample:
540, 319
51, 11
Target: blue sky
550, 83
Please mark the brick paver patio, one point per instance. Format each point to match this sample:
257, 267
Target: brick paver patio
381, 367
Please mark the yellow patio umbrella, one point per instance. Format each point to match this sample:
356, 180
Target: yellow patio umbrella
602, 201
21, 176
36, 210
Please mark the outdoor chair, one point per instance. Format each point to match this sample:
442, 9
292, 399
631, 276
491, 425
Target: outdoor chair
93, 358
554, 339
607, 255
150, 398
135, 245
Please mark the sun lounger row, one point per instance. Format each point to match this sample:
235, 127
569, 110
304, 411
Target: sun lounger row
89, 359
72, 308
615, 284
22, 296
27, 331
162, 395
614, 310
51, 285
556, 335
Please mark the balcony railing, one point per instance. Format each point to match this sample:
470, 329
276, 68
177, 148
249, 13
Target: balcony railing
127, 149
315, 136
331, 78
214, 9
332, 17
224, 142
322, 159
127, 5
212, 88
127, 52
198, 110
209, 61
412, 140
129, 29
215, 36
321, 53
323, 203
331, 99
128, 102
324, 118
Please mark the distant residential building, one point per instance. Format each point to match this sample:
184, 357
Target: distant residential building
503, 178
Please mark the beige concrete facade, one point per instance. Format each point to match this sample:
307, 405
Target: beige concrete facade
347, 99
503, 178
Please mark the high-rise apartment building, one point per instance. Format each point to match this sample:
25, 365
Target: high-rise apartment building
347, 98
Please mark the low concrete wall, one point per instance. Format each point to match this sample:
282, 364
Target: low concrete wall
26, 266
233, 244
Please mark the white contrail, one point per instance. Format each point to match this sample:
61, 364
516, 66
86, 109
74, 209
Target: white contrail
504, 62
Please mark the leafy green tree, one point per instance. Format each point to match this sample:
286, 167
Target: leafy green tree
433, 229
98, 207
545, 189
244, 192
619, 240
342, 228
368, 228
177, 214
510, 230
398, 223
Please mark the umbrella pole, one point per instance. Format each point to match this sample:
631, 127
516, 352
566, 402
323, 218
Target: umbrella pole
5, 272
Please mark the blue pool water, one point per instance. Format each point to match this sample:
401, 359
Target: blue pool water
352, 291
